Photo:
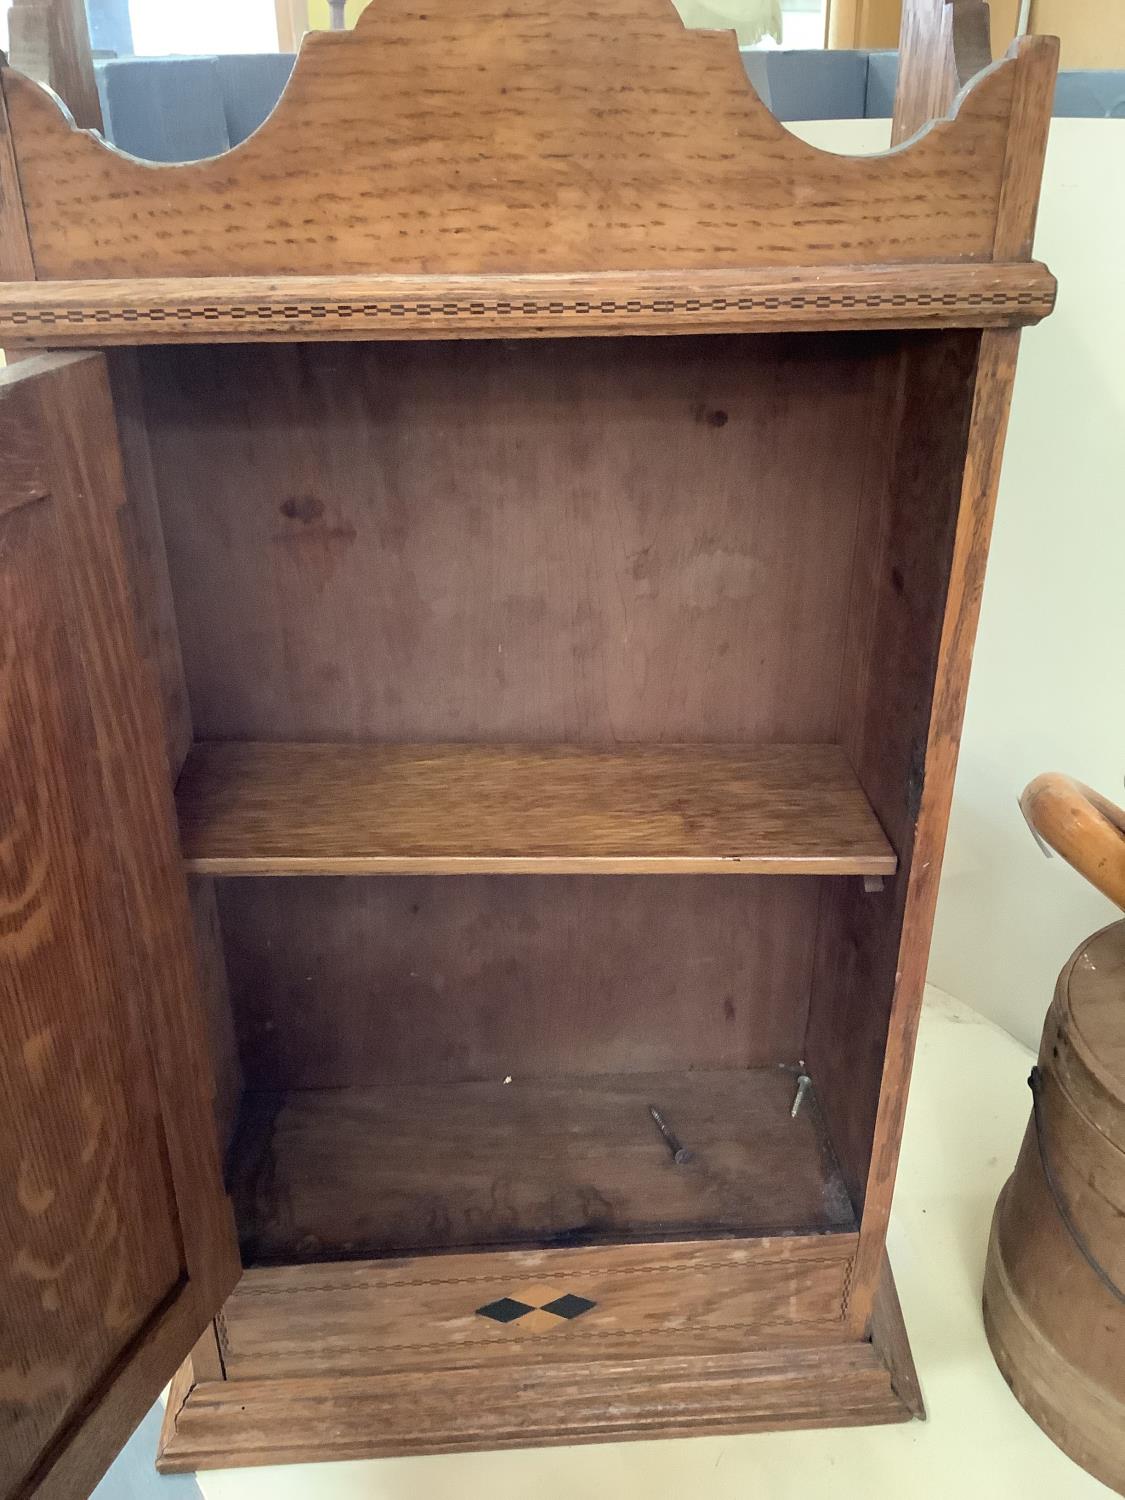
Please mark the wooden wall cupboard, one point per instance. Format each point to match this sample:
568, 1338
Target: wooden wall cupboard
488, 578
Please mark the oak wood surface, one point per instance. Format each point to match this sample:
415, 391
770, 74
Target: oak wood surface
401, 979
489, 543
119, 1241
213, 309
680, 1395
349, 1173
988, 422
16, 263
470, 138
558, 540
888, 1334
1027, 148
145, 558
903, 553
942, 45
369, 1317
82, 1268
293, 809
920, 757
225, 1078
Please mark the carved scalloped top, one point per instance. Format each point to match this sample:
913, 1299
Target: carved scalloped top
457, 137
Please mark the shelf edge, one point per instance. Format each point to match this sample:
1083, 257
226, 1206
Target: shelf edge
77, 314
874, 864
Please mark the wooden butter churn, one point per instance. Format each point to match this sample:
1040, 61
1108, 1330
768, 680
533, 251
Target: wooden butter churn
1054, 1289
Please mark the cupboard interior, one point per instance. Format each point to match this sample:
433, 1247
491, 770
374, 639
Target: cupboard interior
640, 547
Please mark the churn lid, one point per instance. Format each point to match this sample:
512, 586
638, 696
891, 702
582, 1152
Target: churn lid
1084, 1044
1089, 1049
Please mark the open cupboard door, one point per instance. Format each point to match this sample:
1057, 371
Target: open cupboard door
116, 1238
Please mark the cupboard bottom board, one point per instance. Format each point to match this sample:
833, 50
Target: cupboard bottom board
548, 1388
345, 1174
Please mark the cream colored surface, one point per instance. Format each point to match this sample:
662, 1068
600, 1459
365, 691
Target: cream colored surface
1048, 684
1092, 31
967, 1112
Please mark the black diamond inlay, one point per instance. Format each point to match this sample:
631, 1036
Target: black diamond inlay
507, 1309
569, 1306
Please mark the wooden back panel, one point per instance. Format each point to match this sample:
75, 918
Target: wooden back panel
466, 137
585, 540
577, 540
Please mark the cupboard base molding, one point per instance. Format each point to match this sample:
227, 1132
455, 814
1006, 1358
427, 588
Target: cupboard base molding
234, 1423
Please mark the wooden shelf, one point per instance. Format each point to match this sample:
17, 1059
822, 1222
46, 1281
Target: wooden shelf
240, 309
342, 809
337, 1174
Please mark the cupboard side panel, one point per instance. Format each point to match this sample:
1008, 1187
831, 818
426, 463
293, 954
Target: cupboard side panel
871, 948
145, 559
988, 424
158, 641
218, 1016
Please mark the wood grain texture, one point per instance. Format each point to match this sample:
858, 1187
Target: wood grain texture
107, 1278
888, 1334
209, 310
16, 263
129, 743
88, 1246
251, 808
1088, 1031
1087, 829
561, 540
1057, 1332
225, 1077
1076, 1411
899, 967
27, 466
405, 979
943, 44
365, 1318
468, 139
1027, 147
683, 1395
118, 1148
903, 554
344, 1174
146, 561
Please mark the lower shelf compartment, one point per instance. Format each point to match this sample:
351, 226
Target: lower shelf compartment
345, 1174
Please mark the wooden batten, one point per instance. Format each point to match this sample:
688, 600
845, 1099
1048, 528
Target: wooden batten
262, 309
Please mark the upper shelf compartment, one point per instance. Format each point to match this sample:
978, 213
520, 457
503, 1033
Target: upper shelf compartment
560, 166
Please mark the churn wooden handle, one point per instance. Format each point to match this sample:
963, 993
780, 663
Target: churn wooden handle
1086, 829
